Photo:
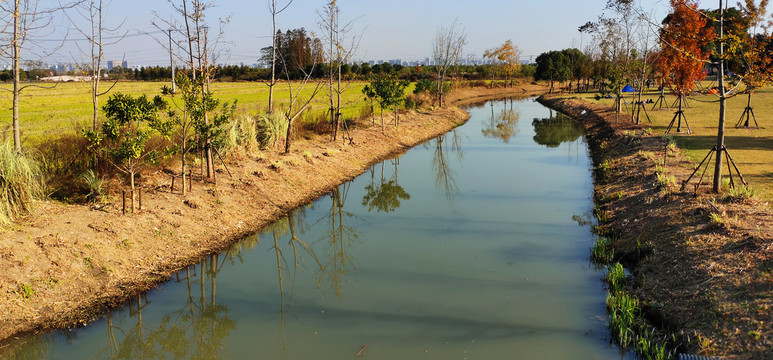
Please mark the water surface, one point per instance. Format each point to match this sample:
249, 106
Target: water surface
472, 246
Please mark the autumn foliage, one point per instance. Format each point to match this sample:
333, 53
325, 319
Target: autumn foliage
683, 37
508, 56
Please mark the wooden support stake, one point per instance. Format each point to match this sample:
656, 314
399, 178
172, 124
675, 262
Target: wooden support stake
190, 182
140, 191
123, 207
171, 189
223, 162
133, 208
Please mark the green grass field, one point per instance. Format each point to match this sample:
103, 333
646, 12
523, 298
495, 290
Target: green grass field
752, 149
67, 108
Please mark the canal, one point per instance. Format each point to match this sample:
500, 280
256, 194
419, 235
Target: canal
472, 246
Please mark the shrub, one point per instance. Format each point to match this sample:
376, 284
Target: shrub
20, 184
424, 85
411, 102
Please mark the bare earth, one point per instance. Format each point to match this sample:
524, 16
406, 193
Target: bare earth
711, 283
66, 264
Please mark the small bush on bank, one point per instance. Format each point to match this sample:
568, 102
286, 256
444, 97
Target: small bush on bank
424, 85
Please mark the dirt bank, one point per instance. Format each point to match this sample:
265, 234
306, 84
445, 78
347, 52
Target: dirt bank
706, 277
66, 264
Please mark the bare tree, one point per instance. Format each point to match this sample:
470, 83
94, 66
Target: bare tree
339, 52
93, 12
25, 17
297, 105
275, 10
447, 50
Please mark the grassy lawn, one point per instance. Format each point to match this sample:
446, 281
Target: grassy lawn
68, 107
752, 149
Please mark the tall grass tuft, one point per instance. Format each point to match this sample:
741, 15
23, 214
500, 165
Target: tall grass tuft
626, 321
739, 194
603, 251
666, 183
95, 184
270, 129
241, 134
21, 182
616, 278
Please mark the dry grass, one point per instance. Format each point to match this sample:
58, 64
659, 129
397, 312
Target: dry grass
706, 277
752, 149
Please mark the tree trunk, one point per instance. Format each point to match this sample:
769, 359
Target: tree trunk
190, 39
289, 138
372, 113
331, 73
748, 109
208, 146
182, 157
722, 99
273, 59
338, 97
16, 85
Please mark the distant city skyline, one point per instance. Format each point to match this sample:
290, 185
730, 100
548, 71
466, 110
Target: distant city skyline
400, 29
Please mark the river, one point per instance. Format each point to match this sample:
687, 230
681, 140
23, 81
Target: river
472, 246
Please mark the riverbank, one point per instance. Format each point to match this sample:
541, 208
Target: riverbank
702, 264
65, 264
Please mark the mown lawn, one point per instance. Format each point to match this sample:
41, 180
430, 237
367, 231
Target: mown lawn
752, 149
67, 107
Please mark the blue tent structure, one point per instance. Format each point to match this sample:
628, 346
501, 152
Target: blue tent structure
628, 88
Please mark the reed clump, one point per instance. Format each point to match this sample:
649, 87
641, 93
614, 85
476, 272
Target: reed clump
21, 183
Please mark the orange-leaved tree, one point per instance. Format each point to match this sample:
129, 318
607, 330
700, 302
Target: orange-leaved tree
508, 56
683, 36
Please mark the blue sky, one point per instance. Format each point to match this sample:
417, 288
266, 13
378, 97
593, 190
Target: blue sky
396, 29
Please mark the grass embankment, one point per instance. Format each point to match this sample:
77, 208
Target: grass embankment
751, 148
66, 263
701, 264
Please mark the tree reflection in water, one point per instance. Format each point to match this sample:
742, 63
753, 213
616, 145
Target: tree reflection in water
444, 176
339, 238
196, 331
555, 130
502, 125
386, 195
